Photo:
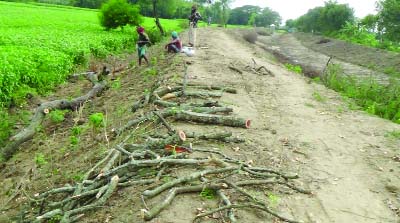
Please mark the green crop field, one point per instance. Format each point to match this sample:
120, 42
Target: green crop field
41, 44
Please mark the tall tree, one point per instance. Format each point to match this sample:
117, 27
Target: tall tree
241, 15
268, 17
330, 18
389, 14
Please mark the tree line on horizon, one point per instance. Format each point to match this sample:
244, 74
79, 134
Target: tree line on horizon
218, 10
338, 20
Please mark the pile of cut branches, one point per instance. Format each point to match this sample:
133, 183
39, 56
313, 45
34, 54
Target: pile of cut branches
195, 169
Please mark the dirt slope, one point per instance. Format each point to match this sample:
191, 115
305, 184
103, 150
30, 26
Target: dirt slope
315, 59
343, 154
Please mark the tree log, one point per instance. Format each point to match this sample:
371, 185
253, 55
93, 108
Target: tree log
168, 113
213, 119
213, 87
27, 133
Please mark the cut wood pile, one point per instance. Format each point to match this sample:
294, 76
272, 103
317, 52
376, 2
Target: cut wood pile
155, 153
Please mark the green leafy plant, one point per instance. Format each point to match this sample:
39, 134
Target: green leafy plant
119, 13
273, 200
318, 97
74, 140
40, 159
116, 84
369, 95
294, 68
57, 116
55, 219
76, 130
96, 120
209, 194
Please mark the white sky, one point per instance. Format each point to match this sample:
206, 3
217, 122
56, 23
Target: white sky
292, 9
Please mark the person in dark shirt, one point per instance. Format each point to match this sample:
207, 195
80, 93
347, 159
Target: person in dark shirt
175, 46
141, 45
193, 19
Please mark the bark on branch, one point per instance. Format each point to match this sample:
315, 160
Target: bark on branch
27, 133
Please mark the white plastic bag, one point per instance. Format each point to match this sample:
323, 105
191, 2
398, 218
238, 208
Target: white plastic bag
188, 51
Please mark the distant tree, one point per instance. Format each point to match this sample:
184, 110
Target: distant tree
334, 16
252, 19
370, 22
119, 13
93, 4
241, 15
268, 17
310, 22
330, 18
389, 19
290, 23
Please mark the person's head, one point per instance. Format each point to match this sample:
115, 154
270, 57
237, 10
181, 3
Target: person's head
140, 30
174, 35
194, 7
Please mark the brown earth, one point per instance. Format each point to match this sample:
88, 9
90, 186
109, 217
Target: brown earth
343, 156
313, 56
372, 58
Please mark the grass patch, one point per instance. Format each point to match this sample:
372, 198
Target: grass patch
318, 97
395, 134
294, 68
378, 99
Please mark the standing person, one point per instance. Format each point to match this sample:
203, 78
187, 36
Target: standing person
175, 46
141, 45
209, 20
193, 19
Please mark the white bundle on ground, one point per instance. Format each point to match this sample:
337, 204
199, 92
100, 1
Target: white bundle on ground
188, 51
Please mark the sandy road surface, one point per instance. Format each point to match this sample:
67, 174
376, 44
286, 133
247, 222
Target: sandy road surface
341, 155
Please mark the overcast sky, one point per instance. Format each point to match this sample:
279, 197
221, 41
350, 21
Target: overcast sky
292, 9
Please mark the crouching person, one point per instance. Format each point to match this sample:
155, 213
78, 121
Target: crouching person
175, 46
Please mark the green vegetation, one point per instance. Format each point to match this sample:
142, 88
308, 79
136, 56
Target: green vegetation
57, 116
119, 13
41, 44
209, 194
96, 120
327, 19
254, 15
40, 159
375, 98
393, 134
294, 68
337, 20
318, 97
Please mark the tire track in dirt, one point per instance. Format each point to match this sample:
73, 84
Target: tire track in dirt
343, 155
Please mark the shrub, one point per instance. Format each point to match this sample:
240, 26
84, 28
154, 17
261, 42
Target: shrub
375, 98
119, 13
57, 116
40, 160
96, 120
294, 68
154, 35
251, 37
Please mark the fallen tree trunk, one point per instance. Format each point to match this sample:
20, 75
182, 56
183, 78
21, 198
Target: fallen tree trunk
196, 94
212, 119
213, 87
168, 113
27, 133
222, 136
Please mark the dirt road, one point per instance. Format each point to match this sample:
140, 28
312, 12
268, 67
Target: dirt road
343, 156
